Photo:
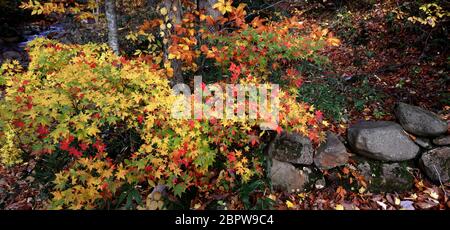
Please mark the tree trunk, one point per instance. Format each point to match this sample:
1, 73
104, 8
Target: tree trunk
111, 18
174, 14
207, 6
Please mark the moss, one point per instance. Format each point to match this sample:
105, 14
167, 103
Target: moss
343, 181
387, 177
375, 168
314, 174
403, 172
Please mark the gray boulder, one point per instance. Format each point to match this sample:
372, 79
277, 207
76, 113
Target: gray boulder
436, 164
286, 177
11, 39
444, 140
419, 121
423, 142
293, 148
12, 55
382, 140
331, 153
386, 177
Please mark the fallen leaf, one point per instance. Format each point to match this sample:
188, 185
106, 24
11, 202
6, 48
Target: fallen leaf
406, 205
289, 204
362, 190
425, 205
272, 197
383, 205
397, 201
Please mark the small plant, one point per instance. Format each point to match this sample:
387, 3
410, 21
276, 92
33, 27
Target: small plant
364, 94
326, 97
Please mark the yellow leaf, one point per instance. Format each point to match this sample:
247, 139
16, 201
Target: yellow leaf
362, 190
107, 173
339, 207
223, 6
171, 56
57, 195
163, 11
92, 131
197, 206
121, 172
289, 204
397, 201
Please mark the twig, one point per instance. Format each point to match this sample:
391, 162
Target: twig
265, 8
440, 181
425, 45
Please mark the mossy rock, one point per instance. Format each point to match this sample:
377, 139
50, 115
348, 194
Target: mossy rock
386, 177
288, 177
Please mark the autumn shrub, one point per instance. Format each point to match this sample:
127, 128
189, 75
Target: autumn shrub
248, 49
264, 50
78, 99
256, 52
108, 119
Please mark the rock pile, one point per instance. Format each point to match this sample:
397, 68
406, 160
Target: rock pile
385, 153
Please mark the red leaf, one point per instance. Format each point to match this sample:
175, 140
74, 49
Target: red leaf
140, 119
298, 82
319, 115
18, 123
191, 124
148, 168
313, 136
64, 144
231, 157
279, 130
42, 131
83, 146
73, 151
99, 146
253, 139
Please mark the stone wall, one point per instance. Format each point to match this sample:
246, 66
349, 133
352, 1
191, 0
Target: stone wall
385, 154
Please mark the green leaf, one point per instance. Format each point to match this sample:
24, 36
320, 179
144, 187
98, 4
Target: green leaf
179, 189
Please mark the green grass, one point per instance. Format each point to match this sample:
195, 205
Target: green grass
335, 98
326, 97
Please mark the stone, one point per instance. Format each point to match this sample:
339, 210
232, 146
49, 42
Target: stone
436, 164
382, 140
320, 183
293, 148
423, 142
12, 39
407, 205
12, 55
444, 140
386, 177
419, 121
286, 177
332, 153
